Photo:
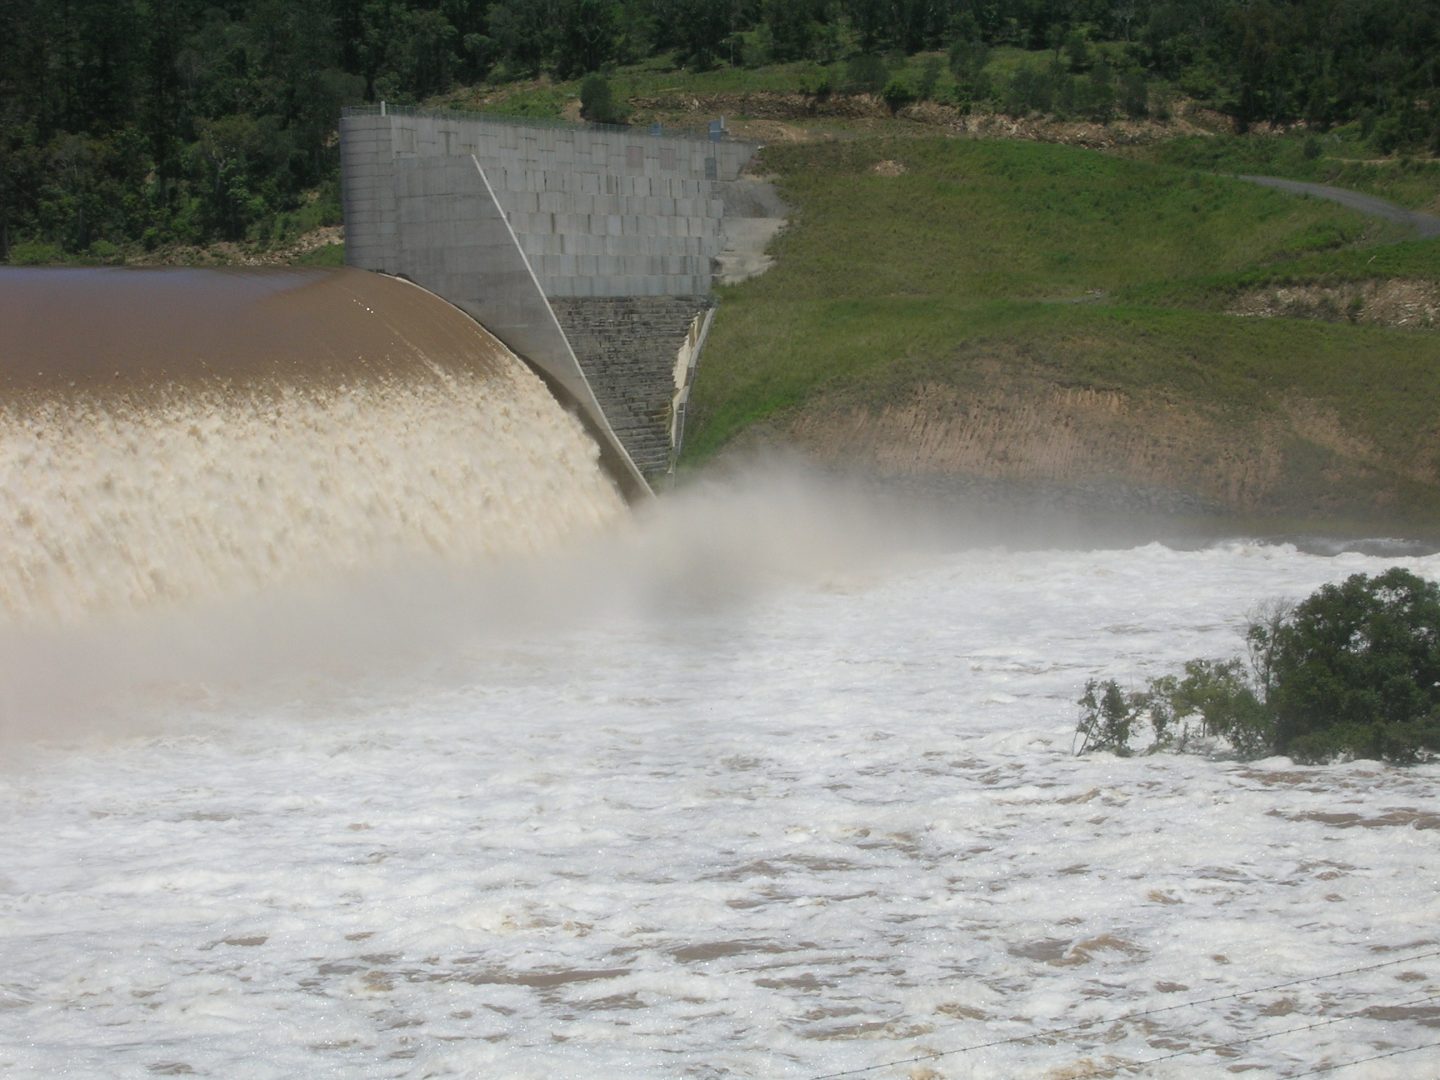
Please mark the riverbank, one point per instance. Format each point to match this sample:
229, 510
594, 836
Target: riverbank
1039, 315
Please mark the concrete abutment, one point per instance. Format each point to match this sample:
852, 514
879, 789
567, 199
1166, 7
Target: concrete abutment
590, 252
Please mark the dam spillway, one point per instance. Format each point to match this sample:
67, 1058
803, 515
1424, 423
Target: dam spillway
589, 251
174, 435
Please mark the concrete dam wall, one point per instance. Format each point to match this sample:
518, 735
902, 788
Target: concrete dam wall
588, 251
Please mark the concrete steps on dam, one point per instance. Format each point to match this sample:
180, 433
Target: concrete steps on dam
627, 347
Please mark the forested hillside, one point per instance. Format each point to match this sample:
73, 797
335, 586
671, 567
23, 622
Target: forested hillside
145, 122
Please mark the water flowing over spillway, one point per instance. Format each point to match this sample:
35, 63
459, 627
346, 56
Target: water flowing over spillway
167, 436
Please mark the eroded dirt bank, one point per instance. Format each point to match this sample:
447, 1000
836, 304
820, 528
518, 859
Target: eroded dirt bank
1027, 438
774, 116
1386, 302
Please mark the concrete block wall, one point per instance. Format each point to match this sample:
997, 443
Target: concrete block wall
367, 168
597, 212
534, 229
451, 238
629, 345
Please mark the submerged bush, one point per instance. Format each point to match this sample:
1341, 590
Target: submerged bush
1357, 670
1352, 671
1110, 716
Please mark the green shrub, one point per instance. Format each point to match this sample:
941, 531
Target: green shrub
968, 58
1388, 135
815, 81
898, 93
1036, 90
325, 255
1095, 95
598, 104
104, 253
1228, 704
1134, 94
1353, 671
1110, 717
929, 78
865, 74
1357, 670
35, 253
1077, 52
1216, 699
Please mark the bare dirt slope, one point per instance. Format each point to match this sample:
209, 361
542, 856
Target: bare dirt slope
1028, 437
1387, 302
773, 116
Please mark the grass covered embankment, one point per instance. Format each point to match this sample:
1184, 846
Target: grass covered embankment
1041, 314
1342, 157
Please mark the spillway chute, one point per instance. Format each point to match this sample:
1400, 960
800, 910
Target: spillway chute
177, 434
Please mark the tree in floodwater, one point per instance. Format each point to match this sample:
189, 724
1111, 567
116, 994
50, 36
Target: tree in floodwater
1357, 670
1352, 671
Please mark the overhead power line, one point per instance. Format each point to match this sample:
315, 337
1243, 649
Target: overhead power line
1225, 1044
1360, 1061
1138, 1014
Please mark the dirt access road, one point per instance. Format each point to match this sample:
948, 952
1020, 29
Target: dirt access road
1424, 225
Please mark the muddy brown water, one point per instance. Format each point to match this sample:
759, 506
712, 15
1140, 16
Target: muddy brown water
108, 329
169, 435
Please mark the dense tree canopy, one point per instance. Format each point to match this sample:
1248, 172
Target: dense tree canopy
1356, 668
123, 120
1351, 671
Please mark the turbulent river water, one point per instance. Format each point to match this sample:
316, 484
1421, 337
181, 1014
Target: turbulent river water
764, 780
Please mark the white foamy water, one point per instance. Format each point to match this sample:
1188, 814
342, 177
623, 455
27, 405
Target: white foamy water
129, 501
751, 803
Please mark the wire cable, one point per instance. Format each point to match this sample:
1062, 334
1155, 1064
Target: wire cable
1360, 1061
1228, 1043
1124, 1017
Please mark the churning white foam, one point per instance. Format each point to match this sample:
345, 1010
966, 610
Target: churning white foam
196, 493
788, 810
204, 539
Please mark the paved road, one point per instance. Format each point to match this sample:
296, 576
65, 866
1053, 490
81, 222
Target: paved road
1424, 225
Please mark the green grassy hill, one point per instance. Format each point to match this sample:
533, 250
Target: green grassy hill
1045, 314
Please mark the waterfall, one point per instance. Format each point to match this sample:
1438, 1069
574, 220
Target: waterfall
180, 435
